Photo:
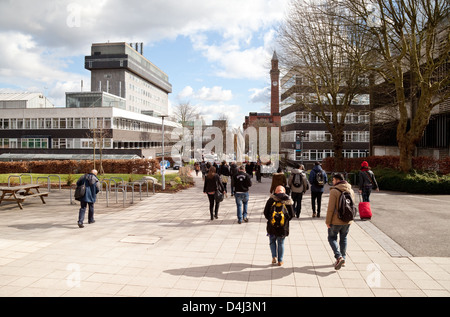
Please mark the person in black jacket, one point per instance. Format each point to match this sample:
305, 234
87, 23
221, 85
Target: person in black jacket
224, 173
213, 184
241, 182
278, 224
367, 181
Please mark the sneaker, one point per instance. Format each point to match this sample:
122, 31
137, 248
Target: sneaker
339, 263
274, 260
246, 219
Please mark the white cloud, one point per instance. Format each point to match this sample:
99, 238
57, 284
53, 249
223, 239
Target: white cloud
215, 93
260, 95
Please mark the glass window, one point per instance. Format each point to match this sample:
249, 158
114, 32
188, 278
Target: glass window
62, 123
55, 124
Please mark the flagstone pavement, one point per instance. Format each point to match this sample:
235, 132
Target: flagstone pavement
165, 245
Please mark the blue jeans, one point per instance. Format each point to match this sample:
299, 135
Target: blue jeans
342, 230
277, 247
83, 206
241, 199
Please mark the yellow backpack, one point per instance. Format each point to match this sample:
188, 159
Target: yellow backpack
278, 209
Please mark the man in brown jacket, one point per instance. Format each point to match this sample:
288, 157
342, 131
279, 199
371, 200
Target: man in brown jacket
334, 224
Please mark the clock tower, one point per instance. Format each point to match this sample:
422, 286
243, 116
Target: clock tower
274, 84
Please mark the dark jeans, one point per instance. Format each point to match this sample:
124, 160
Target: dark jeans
314, 196
213, 211
297, 198
83, 206
339, 249
366, 193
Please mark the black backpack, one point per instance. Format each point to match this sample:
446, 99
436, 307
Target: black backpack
298, 180
278, 219
319, 179
346, 208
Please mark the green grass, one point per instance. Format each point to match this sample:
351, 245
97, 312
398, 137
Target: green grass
66, 178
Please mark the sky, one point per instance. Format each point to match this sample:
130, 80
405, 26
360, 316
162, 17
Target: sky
216, 52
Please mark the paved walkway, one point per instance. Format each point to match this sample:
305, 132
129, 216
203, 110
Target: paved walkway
166, 246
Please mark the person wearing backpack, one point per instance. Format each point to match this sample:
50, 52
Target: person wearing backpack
317, 179
92, 187
299, 185
278, 211
336, 225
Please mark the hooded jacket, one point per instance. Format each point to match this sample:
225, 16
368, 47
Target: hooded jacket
289, 214
303, 187
92, 184
312, 179
332, 217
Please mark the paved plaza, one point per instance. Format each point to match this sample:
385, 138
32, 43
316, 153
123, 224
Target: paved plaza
165, 245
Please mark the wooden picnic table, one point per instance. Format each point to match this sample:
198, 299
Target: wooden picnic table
20, 193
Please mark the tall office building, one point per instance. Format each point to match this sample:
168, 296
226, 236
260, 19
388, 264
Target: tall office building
121, 70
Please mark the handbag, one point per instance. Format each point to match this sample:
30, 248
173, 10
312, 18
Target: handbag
218, 195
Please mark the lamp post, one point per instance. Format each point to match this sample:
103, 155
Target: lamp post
163, 167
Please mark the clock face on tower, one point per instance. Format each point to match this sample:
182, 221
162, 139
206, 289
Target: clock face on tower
274, 83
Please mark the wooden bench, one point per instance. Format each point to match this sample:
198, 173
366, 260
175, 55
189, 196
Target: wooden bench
20, 193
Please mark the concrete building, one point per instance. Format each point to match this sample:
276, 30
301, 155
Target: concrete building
24, 100
120, 116
119, 69
305, 137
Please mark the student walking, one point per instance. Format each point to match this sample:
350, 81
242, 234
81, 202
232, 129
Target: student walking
278, 179
278, 211
224, 172
334, 224
317, 179
211, 186
92, 187
298, 182
367, 181
241, 182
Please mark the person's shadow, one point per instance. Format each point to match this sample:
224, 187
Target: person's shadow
241, 271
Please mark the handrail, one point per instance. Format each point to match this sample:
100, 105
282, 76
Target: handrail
19, 176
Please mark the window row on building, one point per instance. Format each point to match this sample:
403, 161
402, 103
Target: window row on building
73, 143
308, 117
319, 155
77, 123
325, 136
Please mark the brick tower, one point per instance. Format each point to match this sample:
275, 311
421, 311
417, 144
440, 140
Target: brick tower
275, 86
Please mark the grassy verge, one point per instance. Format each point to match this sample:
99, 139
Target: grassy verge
173, 181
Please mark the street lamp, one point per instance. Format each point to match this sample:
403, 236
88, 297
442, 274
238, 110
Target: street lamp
163, 167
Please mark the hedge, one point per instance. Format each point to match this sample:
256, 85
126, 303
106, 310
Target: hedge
140, 166
416, 183
422, 163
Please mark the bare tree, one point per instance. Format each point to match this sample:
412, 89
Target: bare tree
327, 53
412, 44
184, 113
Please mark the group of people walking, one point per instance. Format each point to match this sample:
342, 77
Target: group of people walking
285, 203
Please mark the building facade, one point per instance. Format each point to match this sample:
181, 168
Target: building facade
120, 116
304, 135
119, 69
